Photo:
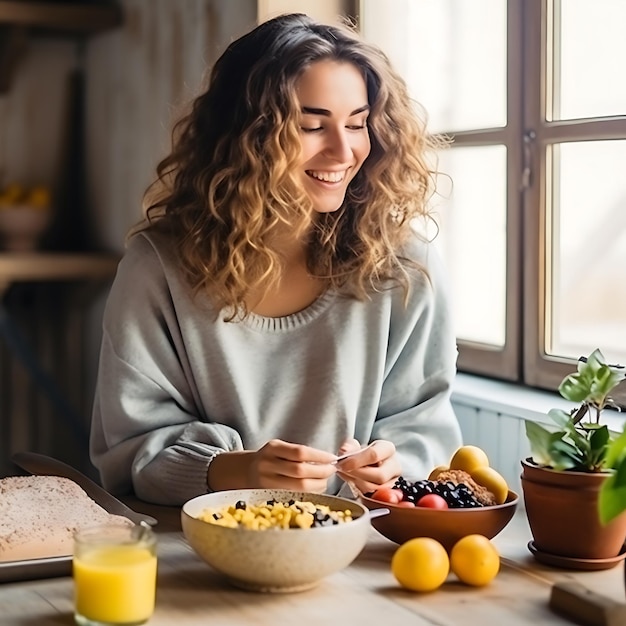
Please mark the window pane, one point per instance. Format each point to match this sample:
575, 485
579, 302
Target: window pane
452, 53
588, 299
472, 239
591, 55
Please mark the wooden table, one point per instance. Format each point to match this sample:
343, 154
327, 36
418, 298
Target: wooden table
364, 594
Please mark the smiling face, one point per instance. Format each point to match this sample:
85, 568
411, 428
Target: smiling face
333, 131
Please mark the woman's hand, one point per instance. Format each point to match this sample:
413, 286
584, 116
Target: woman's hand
377, 465
283, 465
276, 465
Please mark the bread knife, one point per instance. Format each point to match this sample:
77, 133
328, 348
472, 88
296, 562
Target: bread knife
40, 464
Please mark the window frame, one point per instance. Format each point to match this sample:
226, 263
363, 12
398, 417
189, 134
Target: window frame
528, 137
483, 359
539, 368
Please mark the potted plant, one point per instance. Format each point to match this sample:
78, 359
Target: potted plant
574, 482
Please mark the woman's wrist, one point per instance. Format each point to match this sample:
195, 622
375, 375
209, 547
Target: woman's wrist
229, 470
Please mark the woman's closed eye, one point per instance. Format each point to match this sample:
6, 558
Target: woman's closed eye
306, 129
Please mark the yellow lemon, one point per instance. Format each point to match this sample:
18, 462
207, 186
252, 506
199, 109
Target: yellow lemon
420, 564
490, 479
436, 471
469, 458
475, 560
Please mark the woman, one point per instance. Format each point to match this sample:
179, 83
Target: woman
276, 307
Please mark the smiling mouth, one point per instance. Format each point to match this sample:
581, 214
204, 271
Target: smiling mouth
327, 177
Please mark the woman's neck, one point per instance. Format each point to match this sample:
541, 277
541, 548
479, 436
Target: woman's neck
295, 290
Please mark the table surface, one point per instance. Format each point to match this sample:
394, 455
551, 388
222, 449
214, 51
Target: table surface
190, 593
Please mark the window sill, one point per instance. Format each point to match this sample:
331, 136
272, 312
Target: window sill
523, 402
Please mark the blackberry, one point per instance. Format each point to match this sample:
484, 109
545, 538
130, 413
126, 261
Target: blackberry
404, 485
457, 496
320, 518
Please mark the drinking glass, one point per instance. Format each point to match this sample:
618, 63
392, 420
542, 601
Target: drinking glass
114, 569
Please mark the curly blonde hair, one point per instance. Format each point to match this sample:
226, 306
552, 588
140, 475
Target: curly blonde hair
229, 184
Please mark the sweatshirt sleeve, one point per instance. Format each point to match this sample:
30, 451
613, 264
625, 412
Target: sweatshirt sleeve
415, 411
149, 434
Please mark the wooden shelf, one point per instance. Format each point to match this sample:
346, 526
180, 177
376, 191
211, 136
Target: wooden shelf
20, 19
63, 18
47, 266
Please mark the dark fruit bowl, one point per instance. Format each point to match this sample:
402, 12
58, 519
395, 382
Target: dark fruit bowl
446, 526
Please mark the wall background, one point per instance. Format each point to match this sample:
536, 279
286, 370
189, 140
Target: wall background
138, 78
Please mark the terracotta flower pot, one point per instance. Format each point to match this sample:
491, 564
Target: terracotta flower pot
562, 511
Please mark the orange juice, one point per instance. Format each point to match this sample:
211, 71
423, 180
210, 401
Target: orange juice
114, 583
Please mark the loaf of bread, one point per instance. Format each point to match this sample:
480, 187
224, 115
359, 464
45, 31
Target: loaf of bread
39, 515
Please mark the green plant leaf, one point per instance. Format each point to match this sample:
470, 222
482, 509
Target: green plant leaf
540, 438
577, 386
599, 439
593, 381
620, 473
616, 450
565, 456
560, 417
612, 499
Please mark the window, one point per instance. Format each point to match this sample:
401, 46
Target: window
533, 224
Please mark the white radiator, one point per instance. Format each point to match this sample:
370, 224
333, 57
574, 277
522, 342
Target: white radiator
500, 435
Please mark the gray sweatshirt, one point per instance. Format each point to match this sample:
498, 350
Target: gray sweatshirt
176, 386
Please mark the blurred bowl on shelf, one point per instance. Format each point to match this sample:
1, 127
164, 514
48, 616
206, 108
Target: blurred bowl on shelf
22, 226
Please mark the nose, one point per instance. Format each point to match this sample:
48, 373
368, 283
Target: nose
338, 145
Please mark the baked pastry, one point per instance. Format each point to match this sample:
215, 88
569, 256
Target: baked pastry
482, 494
39, 515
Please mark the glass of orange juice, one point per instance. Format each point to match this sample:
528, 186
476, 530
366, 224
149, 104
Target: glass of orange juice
114, 569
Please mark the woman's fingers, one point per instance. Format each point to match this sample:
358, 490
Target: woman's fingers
349, 446
374, 454
296, 453
374, 466
282, 465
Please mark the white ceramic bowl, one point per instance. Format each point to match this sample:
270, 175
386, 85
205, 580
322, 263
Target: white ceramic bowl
275, 560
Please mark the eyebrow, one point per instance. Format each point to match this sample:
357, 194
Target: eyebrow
327, 113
